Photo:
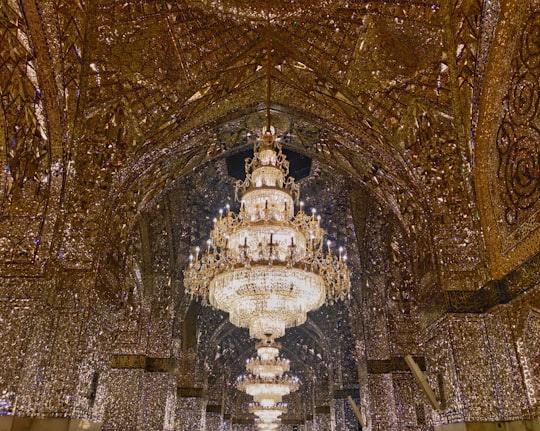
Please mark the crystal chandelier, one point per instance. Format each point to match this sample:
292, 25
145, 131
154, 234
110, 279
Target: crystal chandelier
268, 392
266, 266
267, 364
268, 414
267, 383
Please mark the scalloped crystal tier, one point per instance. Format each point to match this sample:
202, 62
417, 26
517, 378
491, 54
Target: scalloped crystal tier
267, 392
268, 426
267, 299
267, 364
268, 368
267, 414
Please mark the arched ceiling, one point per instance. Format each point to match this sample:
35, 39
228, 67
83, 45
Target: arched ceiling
184, 68
133, 95
116, 117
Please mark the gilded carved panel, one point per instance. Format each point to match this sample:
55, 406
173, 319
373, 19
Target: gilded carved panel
507, 172
517, 139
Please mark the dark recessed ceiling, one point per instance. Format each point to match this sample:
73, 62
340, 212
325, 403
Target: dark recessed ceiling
300, 166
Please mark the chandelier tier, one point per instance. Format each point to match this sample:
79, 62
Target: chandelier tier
267, 414
267, 364
268, 426
268, 392
266, 265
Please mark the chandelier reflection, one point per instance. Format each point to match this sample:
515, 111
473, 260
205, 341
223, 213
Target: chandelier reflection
267, 266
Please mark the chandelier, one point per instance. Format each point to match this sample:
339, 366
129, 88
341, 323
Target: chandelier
267, 364
267, 383
267, 414
266, 266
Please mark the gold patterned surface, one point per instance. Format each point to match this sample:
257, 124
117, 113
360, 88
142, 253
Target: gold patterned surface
421, 120
507, 150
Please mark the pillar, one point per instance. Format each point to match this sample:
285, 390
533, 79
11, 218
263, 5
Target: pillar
475, 367
51, 336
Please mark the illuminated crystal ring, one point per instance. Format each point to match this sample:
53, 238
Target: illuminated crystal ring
267, 414
268, 392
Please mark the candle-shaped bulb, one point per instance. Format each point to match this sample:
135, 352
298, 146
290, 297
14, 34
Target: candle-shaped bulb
220, 213
313, 211
318, 218
228, 207
301, 205
215, 220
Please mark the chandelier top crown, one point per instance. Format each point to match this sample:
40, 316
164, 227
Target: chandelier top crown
268, 169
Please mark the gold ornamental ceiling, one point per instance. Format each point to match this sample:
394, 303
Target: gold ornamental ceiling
363, 72
131, 96
342, 62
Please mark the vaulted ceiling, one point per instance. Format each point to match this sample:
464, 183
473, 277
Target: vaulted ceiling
131, 96
117, 117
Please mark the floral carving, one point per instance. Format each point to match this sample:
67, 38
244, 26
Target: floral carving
519, 133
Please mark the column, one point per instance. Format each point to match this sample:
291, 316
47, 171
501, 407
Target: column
50, 340
475, 368
190, 414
